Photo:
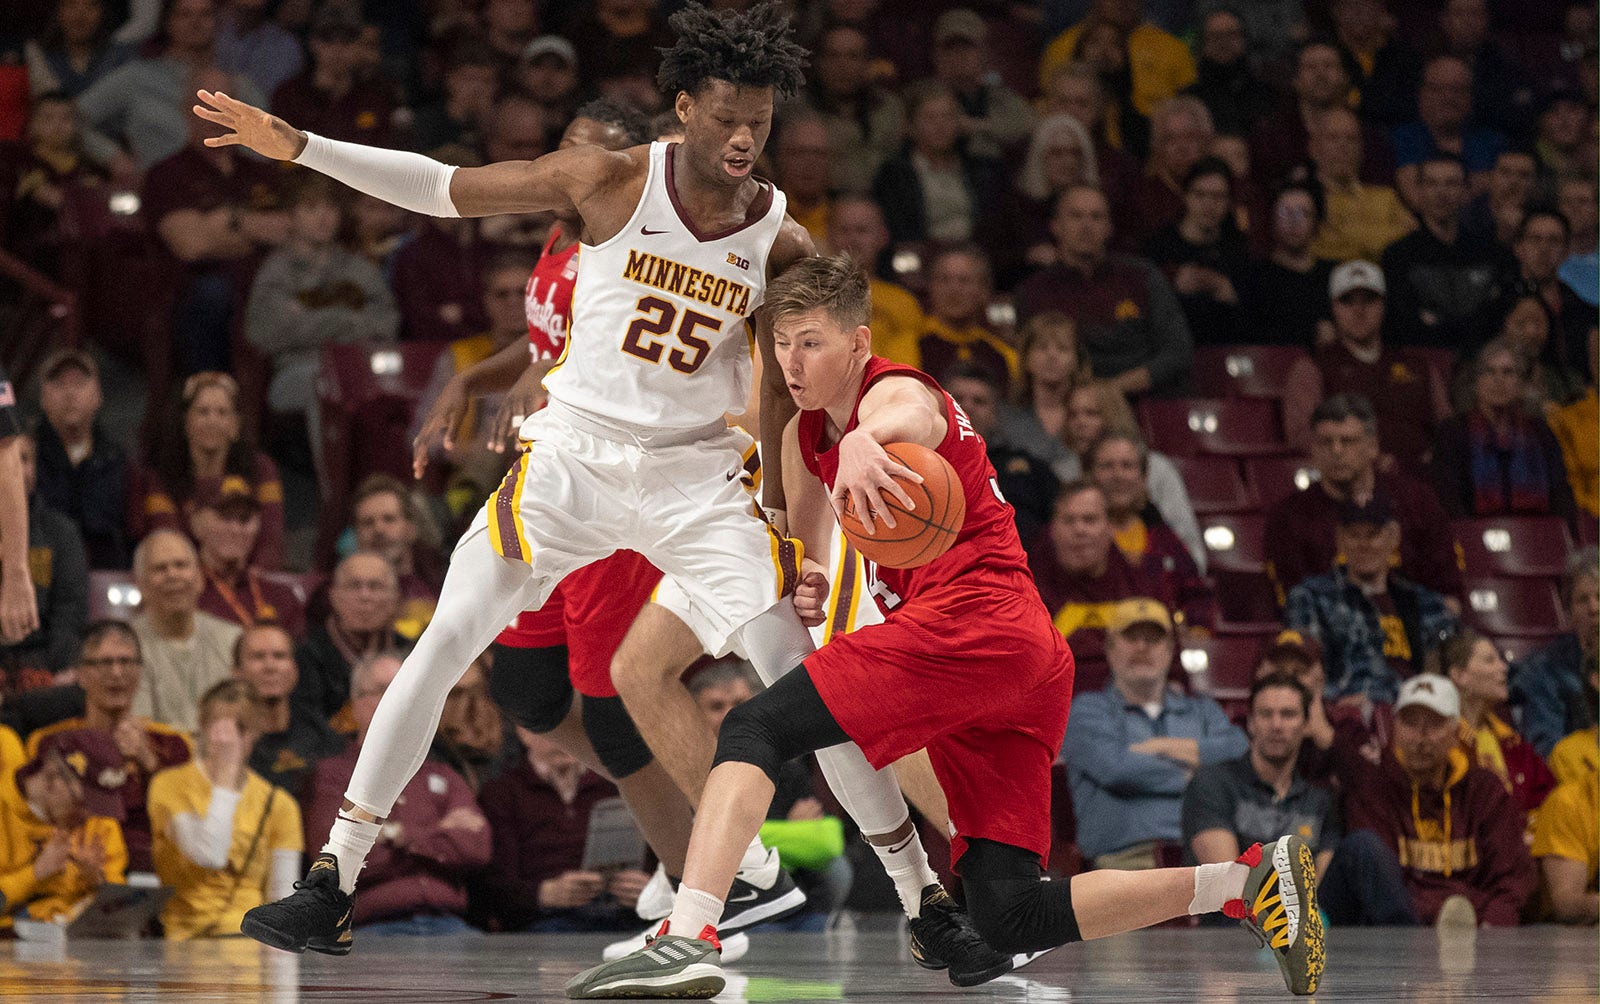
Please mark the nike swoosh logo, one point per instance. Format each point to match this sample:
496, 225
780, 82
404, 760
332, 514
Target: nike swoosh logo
650, 233
746, 898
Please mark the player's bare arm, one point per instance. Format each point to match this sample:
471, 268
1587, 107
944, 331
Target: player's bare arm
811, 521
894, 410
777, 407
564, 180
498, 372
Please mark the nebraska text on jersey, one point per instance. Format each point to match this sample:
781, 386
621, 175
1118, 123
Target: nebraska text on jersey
686, 280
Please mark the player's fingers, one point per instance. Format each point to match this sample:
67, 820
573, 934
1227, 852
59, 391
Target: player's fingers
879, 506
232, 139
893, 488
902, 471
212, 115
864, 511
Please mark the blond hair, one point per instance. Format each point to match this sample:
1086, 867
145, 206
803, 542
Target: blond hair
834, 283
235, 699
1039, 327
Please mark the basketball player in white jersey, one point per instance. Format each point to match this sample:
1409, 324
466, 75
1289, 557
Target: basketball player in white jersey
632, 451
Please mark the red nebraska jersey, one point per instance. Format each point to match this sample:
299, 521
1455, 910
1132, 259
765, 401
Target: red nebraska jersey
549, 299
987, 550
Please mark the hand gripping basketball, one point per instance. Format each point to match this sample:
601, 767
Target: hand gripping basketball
922, 531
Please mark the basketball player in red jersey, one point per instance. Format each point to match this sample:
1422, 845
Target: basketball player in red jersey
966, 664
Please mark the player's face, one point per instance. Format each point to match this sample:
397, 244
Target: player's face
724, 129
266, 662
818, 357
1277, 724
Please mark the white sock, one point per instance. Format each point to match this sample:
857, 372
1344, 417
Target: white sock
349, 841
692, 912
755, 856
1215, 884
907, 864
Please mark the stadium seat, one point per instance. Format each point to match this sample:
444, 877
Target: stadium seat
112, 594
1227, 427
367, 394
1273, 479
1514, 650
1518, 546
1221, 666
1235, 541
1244, 370
1236, 550
1214, 485
1520, 608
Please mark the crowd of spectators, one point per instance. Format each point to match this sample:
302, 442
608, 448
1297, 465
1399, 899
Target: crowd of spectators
1064, 206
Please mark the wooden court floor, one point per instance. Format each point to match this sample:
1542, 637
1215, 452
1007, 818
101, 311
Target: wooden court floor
1542, 964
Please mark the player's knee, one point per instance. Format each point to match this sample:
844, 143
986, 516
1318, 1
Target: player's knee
748, 736
1022, 915
531, 686
616, 740
633, 668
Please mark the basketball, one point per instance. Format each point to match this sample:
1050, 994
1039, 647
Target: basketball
929, 529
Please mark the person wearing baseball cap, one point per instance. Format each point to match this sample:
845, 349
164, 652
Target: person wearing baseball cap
996, 118
1376, 628
226, 522
1408, 395
1433, 838
82, 473
60, 831
1131, 747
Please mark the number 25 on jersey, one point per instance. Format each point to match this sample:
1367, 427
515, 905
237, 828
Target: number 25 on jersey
647, 336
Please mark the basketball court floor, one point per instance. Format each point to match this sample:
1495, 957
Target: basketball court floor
1543, 964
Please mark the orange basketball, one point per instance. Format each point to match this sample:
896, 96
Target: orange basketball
925, 532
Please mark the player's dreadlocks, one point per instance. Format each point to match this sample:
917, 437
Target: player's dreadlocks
749, 49
635, 127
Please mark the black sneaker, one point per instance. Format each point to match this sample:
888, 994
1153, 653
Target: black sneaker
759, 895
942, 937
317, 916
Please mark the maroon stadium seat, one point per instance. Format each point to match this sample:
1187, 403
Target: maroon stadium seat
1273, 479
1517, 649
1520, 546
1228, 427
112, 594
1518, 608
1247, 601
1221, 666
1214, 485
1235, 541
1244, 370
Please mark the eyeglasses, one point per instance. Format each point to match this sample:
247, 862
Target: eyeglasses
109, 661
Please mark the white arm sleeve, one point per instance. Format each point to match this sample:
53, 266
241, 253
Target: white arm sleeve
206, 841
281, 878
408, 180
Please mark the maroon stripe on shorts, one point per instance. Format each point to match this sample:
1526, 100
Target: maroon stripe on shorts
506, 513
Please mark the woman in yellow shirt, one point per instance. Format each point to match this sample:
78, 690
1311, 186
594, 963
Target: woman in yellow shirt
224, 838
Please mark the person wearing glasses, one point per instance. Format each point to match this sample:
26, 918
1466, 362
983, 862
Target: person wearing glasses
109, 671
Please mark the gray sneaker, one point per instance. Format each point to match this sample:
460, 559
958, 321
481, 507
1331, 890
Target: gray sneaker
669, 968
1280, 908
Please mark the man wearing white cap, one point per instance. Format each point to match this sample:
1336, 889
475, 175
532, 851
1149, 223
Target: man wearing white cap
1426, 815
1408, 396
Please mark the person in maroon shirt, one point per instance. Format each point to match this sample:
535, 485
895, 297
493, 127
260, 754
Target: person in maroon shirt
1081, 575
1180, 133
333, 98
415, 879
1280, 142
214, 211
539, 812
1345, 450
1407, 394
226, 520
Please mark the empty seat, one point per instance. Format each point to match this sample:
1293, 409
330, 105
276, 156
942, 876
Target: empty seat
1221, 666
1273, 479
1522, 546
1244, 370
1516, 649
1214, 485
1227, 427
1235, 541
112, 594
1519, 608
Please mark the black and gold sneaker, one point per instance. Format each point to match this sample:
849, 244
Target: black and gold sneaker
317, 916
1280, 909
942, 937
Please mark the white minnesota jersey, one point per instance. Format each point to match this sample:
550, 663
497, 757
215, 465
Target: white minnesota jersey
658, 337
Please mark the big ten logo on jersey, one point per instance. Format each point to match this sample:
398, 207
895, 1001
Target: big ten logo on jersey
734, 259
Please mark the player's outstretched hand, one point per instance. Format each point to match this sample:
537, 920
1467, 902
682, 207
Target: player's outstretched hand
440, 425
866, 474
811, 598
525, 397
266, 134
